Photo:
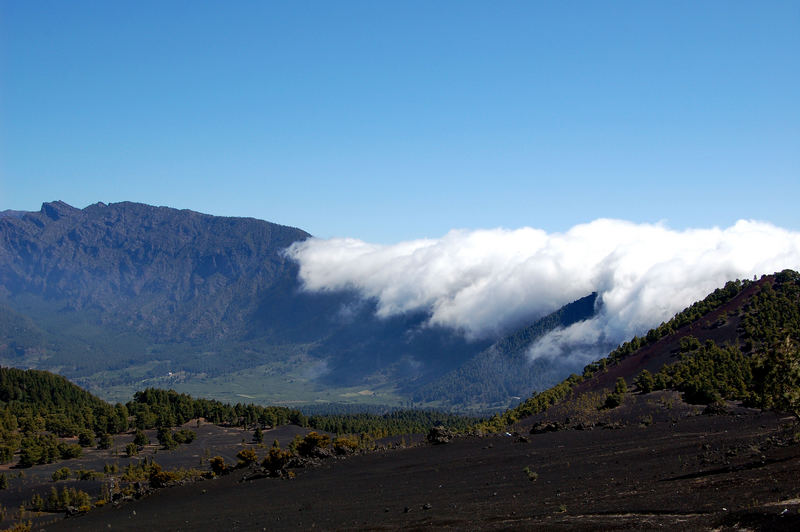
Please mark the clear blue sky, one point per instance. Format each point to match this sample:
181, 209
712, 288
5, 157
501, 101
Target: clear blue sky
394, 120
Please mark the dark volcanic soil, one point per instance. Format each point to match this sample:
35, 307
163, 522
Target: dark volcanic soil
695, 472
211, 440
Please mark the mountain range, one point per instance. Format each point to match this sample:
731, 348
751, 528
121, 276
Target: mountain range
121, 296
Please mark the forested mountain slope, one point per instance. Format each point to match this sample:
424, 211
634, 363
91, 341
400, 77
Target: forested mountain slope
504, 371
742, 343
123, 296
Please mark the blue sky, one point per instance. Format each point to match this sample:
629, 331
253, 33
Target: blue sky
388, 121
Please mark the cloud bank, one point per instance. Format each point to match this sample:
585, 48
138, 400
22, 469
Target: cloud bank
486, 281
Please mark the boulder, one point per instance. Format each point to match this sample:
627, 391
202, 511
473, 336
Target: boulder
546, 426
439, 435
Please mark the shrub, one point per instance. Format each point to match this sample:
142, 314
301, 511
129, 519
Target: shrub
218, 465
61, 474
68, 451
615, 398
612, 401
312, 442
131, 449
276, 459
645, 382
184, 436
6, 454
86, 438
61, 500
105, 441
159, 478
166, 439
532, 475
37, 503
345, 445
88, 474
246, 457
140, 438
21, 526
138, 471
700, 393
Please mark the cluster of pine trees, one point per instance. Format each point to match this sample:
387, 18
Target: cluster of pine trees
705, 373
689, 315
538, 402
167, 408
389, 424
37, 408
763, 372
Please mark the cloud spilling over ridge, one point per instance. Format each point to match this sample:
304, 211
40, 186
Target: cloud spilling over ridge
483, 282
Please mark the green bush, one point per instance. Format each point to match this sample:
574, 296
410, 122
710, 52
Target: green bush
615, 398
645, 382
159, 478
276, 459
86, 438
131, 449
246, 457
312, 441
140, 438
218, 465
6, 454
532, 475
62, 474
184, 436
166, 438
68, 451
345, 445
105, 441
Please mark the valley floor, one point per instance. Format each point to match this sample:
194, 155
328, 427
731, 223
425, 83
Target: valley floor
698, 472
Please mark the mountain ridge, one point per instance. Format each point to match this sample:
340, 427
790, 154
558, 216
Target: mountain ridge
124, 295
506, 362
104, 256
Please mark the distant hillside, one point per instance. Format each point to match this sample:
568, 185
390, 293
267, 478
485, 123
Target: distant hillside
504, 371
44, 394
160, 271
32, 402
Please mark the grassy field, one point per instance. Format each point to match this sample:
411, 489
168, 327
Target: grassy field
287, 384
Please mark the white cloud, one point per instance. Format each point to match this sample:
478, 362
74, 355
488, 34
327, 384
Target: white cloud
483, 282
